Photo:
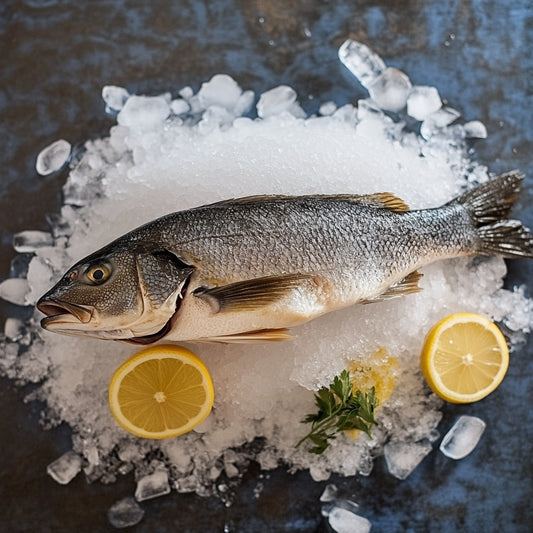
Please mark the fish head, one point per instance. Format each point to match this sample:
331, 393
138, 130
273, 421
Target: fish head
126, 293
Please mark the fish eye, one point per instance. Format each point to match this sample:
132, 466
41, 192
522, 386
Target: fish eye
98, 273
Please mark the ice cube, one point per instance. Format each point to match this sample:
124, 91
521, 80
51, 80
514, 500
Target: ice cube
244, 103
152, 485
438, 120
144, 113
29, 241
463, 437
390, 90
14, 329
475, 129
403, 457
114, 97
327, 109
343, 520
14, 290
186, 93
53, 157
296, 110
221, 90
329, 494
179, 106
423, 101
65, 468
230, 458
364, 64
124, 513
187, 484
275, 101
342, 503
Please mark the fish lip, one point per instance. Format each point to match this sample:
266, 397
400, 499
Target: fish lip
60, 311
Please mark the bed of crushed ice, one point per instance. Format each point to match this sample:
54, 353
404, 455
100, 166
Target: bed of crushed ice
166, 154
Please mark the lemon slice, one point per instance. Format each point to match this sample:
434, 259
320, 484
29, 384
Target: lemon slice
161, 392
464, 358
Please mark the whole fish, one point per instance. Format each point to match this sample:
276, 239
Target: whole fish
247, 269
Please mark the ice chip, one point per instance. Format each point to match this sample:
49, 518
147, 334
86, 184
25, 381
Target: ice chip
144, 113
28, 241
423, 101
65, 468
390, 89
14, 329
221, 90
186, 93
327, 109
343, 520
114, 97
125, 513
179, 106
342, 503
403, 457
14, 290
275, 101
437, 121
463, 437
230, 458
362, 62
329, 494
475, 129
244, 103
297, 111
187, 484
53, 157
152, 485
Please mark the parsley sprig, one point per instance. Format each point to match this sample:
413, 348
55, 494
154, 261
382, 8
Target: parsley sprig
339, 409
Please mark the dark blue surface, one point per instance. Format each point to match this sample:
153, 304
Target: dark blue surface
56, 56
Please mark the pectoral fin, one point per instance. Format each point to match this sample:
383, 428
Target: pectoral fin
407, 285
252, 294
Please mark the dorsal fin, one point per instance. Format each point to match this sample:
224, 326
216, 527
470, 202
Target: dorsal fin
383, 200
387, 201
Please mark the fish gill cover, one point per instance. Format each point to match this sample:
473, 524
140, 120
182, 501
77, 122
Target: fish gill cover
166, 154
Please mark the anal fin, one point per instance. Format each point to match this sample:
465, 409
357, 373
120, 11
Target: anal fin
407, 285
259, 335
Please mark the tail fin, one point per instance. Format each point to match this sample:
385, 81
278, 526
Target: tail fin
489, 206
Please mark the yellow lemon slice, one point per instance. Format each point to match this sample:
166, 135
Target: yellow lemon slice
464, 358
161, 392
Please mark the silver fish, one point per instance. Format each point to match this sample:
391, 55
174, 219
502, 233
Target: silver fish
247, 269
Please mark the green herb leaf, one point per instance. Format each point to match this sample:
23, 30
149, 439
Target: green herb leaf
339, 409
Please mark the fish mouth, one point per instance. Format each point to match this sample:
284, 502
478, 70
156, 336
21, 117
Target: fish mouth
60, 312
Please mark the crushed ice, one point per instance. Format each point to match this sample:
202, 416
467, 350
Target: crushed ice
168, 154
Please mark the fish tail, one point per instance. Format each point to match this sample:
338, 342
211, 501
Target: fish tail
489, 206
